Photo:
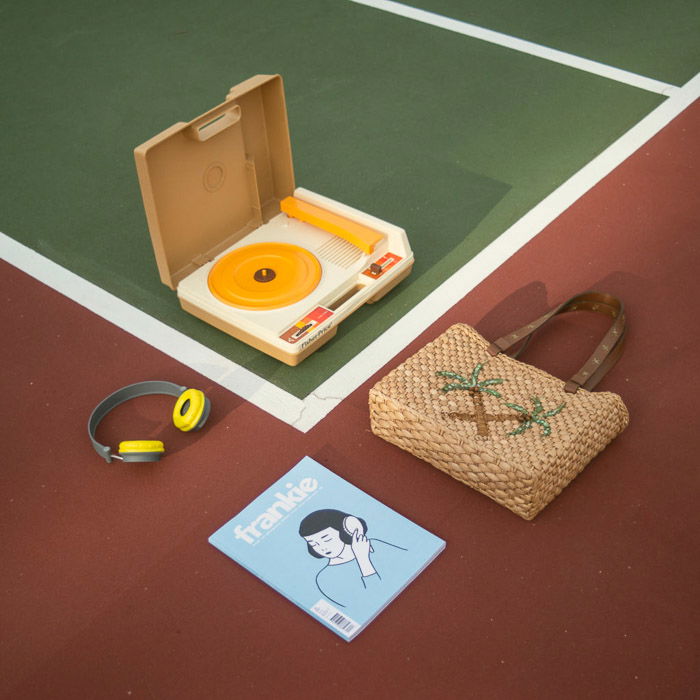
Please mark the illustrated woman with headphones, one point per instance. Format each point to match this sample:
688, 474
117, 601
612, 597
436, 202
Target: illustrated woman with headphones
356, 567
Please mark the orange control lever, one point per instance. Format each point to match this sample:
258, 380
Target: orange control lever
359, 235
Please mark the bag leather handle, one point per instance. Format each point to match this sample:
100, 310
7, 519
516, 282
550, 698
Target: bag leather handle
605, 355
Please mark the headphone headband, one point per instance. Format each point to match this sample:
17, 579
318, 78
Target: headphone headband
120, 396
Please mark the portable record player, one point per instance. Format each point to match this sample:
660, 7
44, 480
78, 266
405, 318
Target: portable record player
275, 266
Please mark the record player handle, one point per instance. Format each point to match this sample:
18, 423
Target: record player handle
214, 122
358, 234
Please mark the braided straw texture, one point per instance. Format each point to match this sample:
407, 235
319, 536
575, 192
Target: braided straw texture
522, 472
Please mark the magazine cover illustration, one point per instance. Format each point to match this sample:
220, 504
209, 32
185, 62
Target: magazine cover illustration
339, 554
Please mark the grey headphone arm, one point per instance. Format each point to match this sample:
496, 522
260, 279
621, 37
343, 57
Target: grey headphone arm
120, 396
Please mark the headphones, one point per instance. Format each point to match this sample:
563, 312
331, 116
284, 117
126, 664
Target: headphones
351, 524
190, 413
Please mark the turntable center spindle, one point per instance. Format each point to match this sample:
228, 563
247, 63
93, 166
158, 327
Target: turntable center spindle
264, 274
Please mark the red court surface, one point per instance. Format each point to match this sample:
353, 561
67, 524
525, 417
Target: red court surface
110, 589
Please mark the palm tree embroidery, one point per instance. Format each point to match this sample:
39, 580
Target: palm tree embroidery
476, 388
537, 416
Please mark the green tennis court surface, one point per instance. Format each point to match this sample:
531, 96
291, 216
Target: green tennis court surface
654, 38
452, 138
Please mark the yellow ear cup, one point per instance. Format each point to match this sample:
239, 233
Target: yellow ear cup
189, 410
141, 450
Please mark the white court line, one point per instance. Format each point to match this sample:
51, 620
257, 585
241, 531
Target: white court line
237, 379
305, 414
376, 355
511, 42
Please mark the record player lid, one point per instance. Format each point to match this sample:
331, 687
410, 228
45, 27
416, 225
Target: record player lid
208, 182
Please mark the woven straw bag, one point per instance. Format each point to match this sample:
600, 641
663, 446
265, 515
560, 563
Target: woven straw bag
505, 428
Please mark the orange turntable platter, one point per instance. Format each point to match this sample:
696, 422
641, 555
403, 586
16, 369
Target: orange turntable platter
264, 276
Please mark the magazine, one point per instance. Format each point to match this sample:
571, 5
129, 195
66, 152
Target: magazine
339, 554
